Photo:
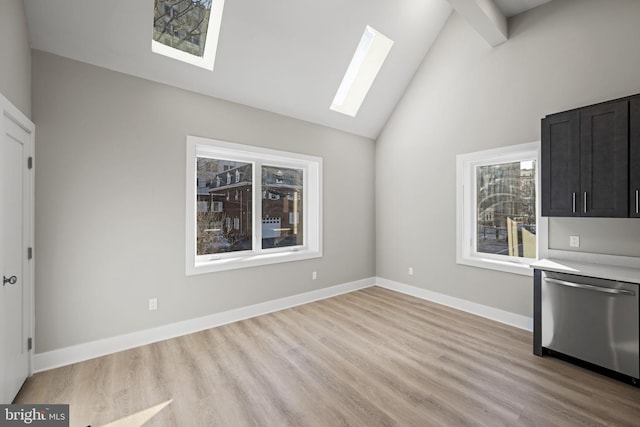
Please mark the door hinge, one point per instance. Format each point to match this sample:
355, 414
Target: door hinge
30, 162
29, 253
29, 344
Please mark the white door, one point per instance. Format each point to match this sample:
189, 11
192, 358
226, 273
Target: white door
16, 235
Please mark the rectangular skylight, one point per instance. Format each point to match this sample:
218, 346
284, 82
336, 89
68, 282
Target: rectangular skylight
363, 69
187, 30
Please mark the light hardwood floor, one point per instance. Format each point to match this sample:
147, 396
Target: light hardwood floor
368, 358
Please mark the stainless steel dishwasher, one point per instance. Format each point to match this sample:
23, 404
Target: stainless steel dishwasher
594, 320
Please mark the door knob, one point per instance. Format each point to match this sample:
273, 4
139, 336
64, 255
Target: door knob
11, 280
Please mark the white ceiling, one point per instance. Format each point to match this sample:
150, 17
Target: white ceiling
514, 7
284, 56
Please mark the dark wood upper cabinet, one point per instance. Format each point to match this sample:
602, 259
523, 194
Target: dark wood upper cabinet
560, 164
634, 157
585, 161
604, 160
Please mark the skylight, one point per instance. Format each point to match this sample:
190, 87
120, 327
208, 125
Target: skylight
187, 30
363, 69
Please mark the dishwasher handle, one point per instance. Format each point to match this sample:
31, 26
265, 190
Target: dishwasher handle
612, 291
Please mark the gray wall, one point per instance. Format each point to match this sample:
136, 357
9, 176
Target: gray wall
467, 97
15, 68
110, 178
110, 197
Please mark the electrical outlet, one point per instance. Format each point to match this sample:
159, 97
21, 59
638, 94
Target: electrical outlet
314, 275
574, 241
410, 271
153, 304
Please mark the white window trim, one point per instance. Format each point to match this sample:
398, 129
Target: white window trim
258, 156
466, 208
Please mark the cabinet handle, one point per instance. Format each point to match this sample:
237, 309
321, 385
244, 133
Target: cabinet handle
637, 199
585, 202
574, 202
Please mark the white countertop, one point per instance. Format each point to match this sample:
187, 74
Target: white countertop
603, 271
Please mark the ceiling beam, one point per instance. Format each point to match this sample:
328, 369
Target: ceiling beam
485, 17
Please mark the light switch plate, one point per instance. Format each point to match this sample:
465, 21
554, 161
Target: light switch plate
574, 241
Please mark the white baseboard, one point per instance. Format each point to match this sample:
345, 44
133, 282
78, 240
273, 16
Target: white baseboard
502, 316
78, 353
81, 352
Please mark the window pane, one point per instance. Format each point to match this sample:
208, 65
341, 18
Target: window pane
182, 24
224, 204
282, 210
506, 201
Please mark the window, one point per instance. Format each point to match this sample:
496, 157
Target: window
499, 225
187, 30
273, 214
365, 64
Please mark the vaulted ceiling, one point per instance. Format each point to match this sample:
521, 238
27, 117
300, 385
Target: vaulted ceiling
284, 56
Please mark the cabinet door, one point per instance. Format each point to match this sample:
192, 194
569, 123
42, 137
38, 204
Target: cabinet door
604, 160
561, 164
634, 158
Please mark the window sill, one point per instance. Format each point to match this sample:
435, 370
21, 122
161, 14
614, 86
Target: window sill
492, 264
252, 260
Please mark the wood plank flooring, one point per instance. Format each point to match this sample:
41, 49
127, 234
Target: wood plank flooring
368, 358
